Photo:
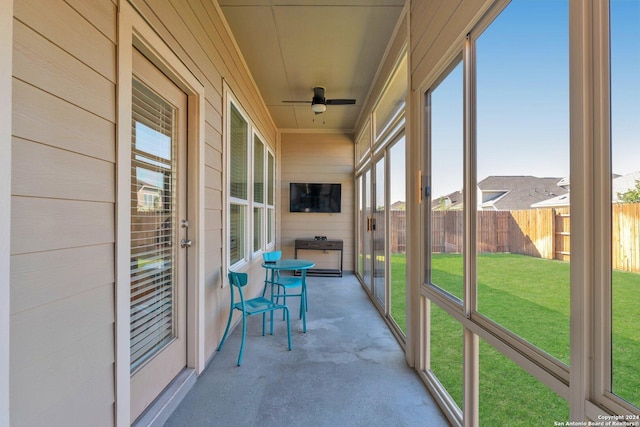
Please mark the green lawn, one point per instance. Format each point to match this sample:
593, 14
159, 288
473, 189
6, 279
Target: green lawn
529, 296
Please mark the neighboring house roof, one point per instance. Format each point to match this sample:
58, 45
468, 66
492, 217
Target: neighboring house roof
398, 206
619, 184
554, 202
452, 201
511, 193
622, 184
564, 182
517, 192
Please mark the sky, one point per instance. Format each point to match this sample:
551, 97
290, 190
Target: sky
522, 76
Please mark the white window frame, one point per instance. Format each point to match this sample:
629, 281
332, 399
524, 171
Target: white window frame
252, 132
270, 185
230, 101
598, 292
586, 382
259, 205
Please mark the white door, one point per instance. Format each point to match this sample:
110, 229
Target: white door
158, 227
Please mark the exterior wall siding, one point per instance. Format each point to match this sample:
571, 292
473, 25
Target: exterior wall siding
62, 214
63, 194
436, 27
195, 31
317, 157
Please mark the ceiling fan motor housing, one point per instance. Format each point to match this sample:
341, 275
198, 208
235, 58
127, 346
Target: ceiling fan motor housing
318, 100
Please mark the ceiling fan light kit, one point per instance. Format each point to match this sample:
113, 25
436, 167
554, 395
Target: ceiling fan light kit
318, 108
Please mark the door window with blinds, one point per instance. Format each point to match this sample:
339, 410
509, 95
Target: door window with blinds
153, 217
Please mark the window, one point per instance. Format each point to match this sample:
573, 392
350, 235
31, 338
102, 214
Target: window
508, 392
154, 170
258, 192
271, 208
251, 188
497, 280
391, 106
398, 233
445, 239
625, 205
446, 183
522, 170
238, 190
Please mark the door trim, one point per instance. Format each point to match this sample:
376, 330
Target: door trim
134, 31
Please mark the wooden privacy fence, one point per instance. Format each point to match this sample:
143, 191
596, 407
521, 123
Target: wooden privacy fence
543, 233
398, 224
625, 231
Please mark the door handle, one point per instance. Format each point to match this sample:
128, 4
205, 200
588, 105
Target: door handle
371, 224
184, 243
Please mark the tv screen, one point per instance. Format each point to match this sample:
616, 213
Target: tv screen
311, 197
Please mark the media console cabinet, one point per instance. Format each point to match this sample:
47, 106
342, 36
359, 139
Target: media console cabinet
321, 245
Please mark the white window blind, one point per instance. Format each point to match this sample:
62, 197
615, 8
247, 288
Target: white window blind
238, 184
239, 155
153, 207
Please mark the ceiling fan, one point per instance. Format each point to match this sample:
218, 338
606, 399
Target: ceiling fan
319, 102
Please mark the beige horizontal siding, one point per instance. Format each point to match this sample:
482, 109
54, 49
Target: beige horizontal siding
101, 14
62, 217
63, 346
41, 278
44, 171
317, 157
66, 28
393, 54
40, 224
42, 117
40, 63
435, 27
91, 404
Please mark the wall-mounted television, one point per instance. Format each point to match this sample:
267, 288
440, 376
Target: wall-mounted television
314, 197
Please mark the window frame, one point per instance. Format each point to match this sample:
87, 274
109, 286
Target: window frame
586, 382
270, 207
599, 295
255, 204
545, 368
250, 253
229, 201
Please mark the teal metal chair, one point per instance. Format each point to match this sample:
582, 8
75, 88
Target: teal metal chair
285, 284
251, 307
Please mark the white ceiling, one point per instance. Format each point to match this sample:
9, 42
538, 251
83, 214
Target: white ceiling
292, 46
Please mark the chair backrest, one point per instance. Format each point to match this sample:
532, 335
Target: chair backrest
238, 279
271, 256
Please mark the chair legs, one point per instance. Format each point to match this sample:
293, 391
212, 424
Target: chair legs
244, 335
285, 313
285, 309
226, 330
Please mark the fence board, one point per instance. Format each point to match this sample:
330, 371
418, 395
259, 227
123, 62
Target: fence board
625, 236
543, 233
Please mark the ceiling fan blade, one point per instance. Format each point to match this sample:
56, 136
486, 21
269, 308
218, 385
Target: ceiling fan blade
341, 101
297, 102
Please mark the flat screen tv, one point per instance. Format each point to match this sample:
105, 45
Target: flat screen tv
312, 197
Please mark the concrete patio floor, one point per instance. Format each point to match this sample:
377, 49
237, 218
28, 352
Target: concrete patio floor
346, 370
